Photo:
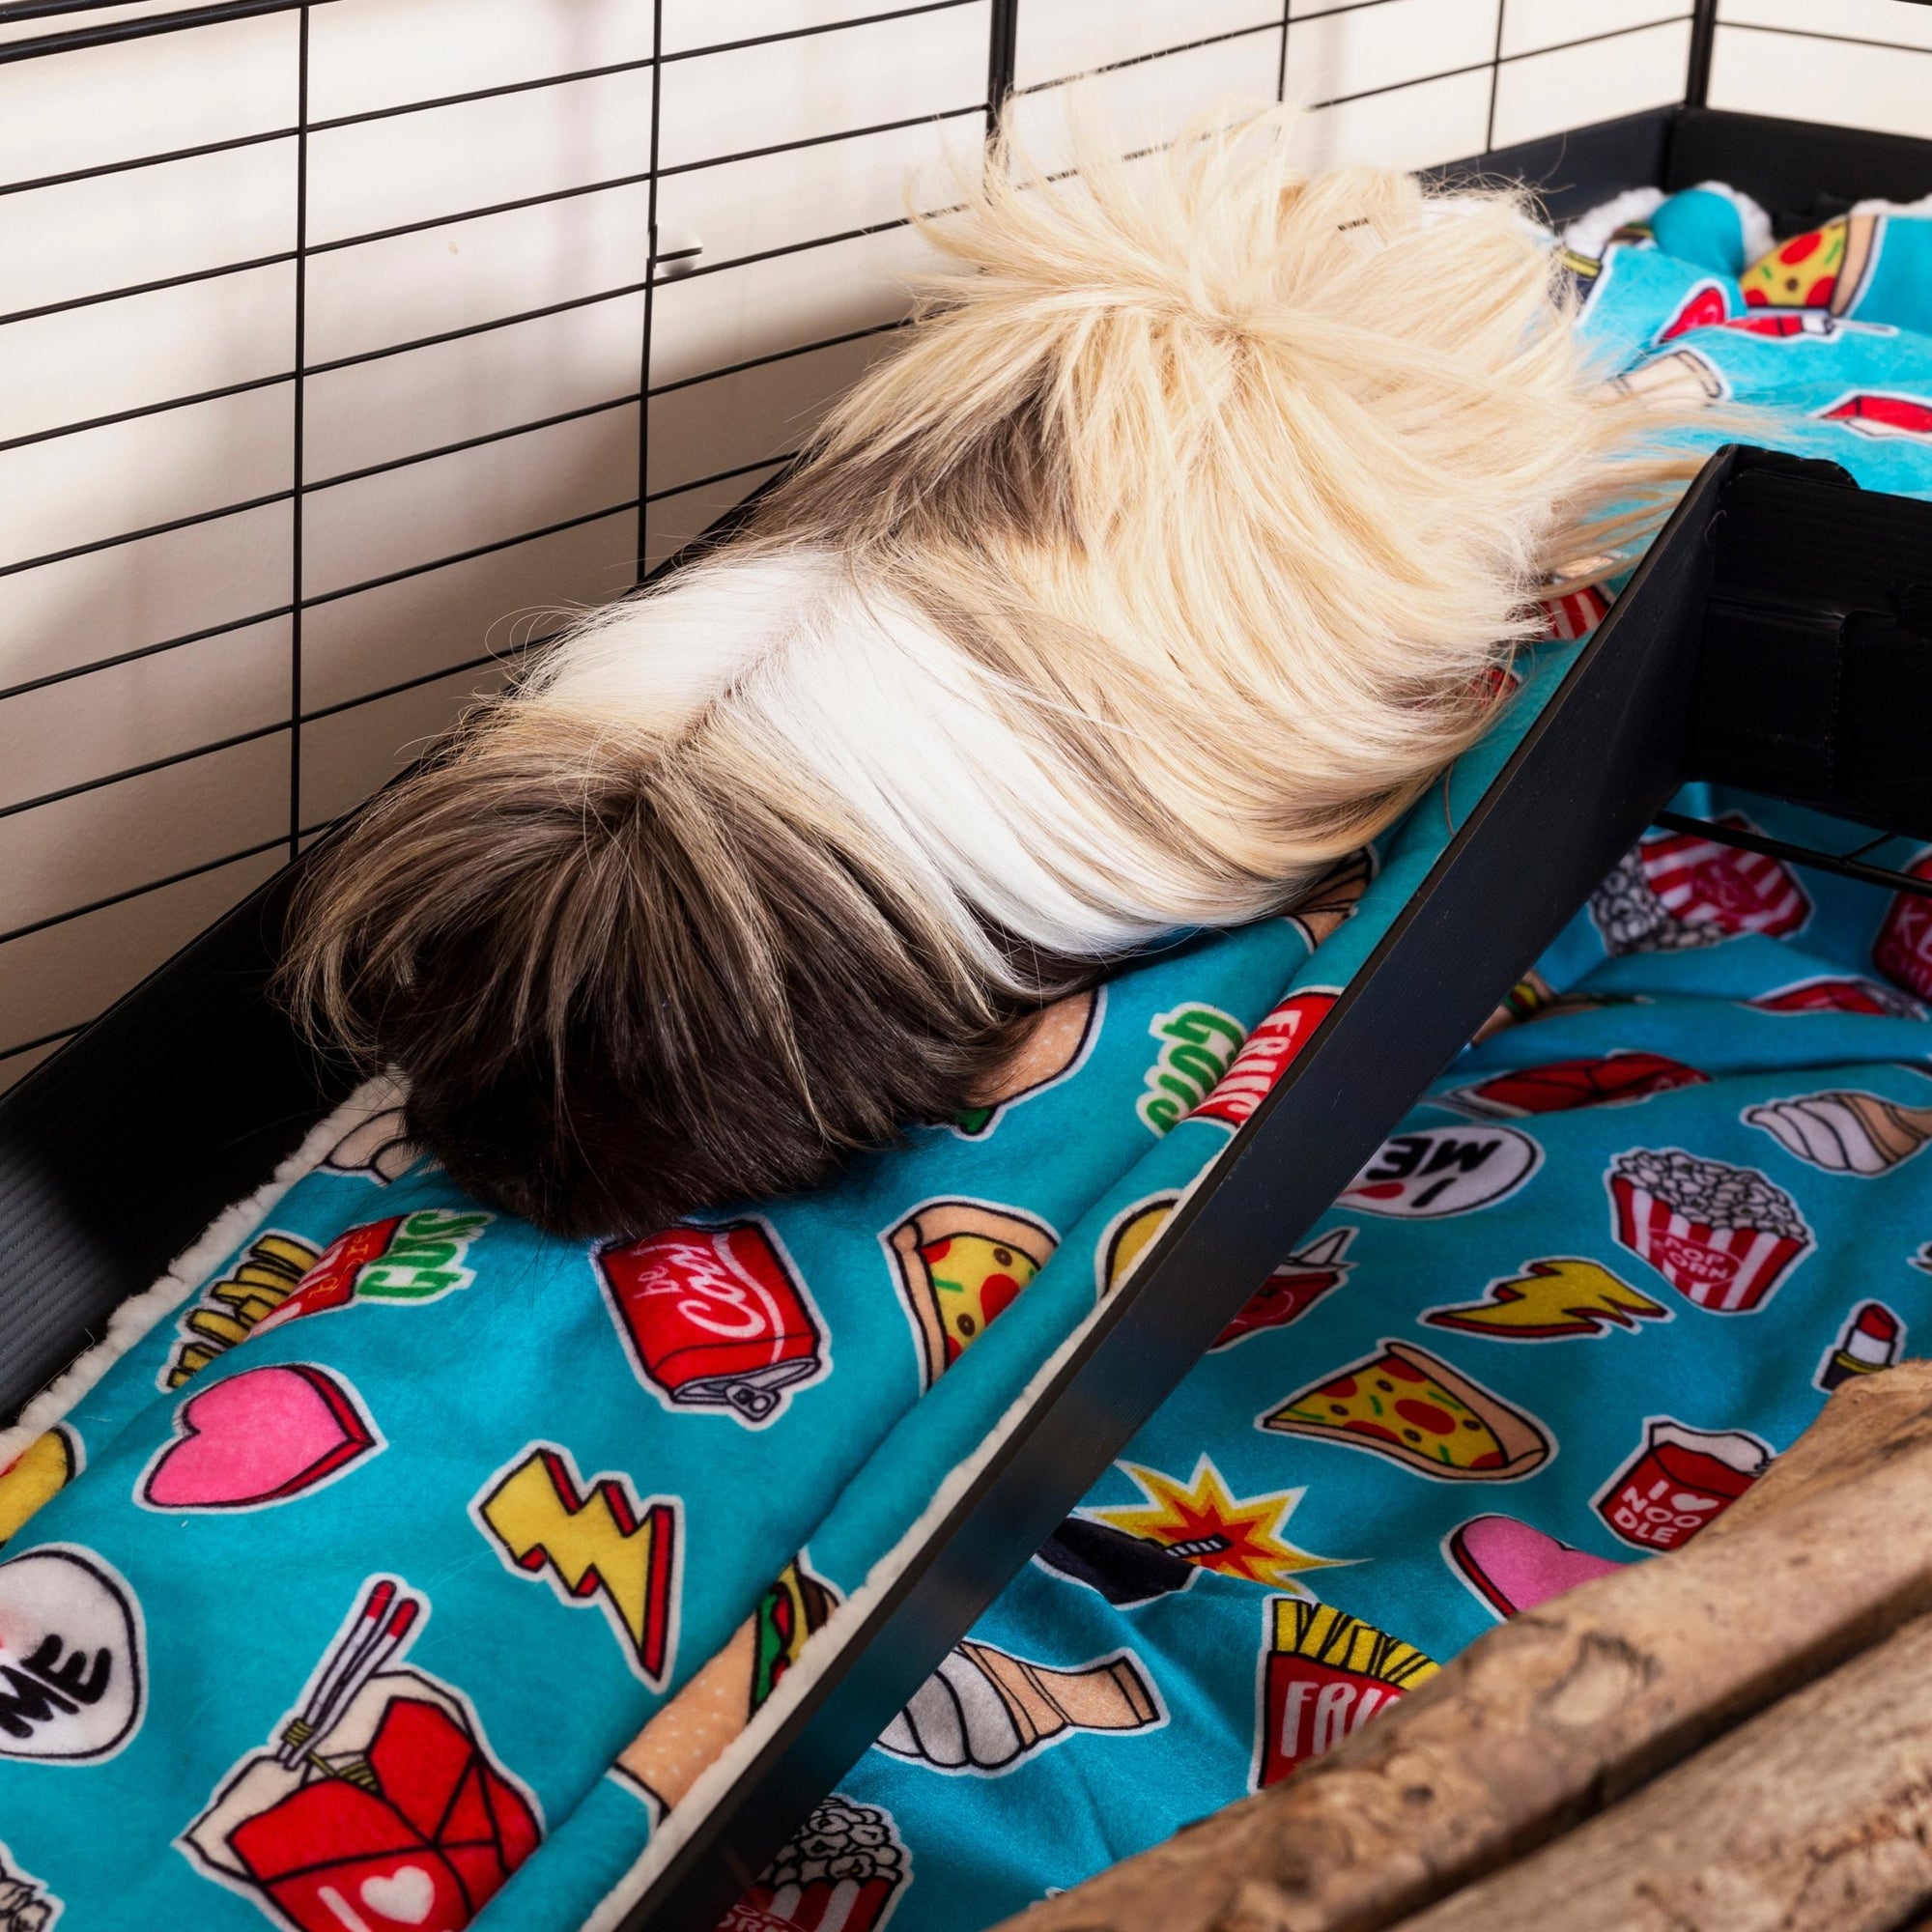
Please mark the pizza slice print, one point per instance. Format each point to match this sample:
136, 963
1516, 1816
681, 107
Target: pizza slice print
1414, 1408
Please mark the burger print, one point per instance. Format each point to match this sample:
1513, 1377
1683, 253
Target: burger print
1056, 1045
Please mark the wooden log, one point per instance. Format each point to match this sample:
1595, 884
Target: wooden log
1816, 1816
1569, 1707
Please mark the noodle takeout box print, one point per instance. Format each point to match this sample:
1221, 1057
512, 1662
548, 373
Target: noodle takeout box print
379, 1806
716, 1318
1679, 1480
1723, 1237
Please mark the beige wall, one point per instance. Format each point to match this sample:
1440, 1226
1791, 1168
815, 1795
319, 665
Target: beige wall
1858, 63
460, 280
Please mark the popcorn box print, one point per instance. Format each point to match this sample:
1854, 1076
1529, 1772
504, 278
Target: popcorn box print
1724, 1237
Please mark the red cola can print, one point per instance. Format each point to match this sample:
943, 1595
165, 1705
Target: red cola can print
1699, 882
1903, 948
1705, 307
1812, 323
1681, 1479
1294, 1288
331, 1282
1265, 1057
1723, 1237
716, 1318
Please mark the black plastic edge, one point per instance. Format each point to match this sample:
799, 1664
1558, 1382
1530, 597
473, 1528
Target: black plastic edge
1606, 752
1573, 171
119, 1150
1803, 172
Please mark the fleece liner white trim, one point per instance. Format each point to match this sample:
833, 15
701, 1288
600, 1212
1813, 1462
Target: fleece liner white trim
1590, 234
139, 1313
1922, 207
718, 1779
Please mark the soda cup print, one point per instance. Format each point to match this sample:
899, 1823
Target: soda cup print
1903, 948
1724, 1237
1681, 1479
716, 1318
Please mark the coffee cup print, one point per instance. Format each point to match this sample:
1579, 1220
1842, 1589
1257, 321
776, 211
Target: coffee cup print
985, 1710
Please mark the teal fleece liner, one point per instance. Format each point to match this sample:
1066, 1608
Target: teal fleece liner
400, 1520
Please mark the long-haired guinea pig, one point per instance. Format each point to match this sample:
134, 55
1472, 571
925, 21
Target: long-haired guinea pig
1169, 555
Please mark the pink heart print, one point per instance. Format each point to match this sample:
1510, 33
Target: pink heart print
1513, 1566
261, 1437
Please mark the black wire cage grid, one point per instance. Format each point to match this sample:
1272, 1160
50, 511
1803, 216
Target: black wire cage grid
322, 529
185, 1093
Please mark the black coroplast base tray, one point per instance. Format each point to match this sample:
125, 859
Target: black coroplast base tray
117, 1152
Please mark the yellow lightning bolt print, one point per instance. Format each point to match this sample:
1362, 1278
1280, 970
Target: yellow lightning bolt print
1552, 1299
598, 1543
1201, 1520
